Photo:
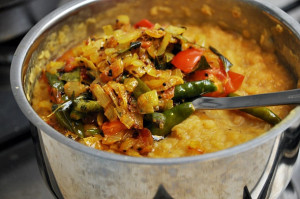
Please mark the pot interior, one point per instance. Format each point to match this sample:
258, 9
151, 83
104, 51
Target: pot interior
250, 19
267, 25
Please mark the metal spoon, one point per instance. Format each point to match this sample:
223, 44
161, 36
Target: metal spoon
267, 99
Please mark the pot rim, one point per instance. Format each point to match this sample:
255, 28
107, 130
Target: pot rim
56, 16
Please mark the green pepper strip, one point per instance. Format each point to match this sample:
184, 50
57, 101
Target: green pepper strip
260, 112
156, 118
193, 89
87, 106
76, 115
173, 117
140, 89
54, 81
93, 131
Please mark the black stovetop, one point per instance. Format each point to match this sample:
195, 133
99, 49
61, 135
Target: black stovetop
13, 124
19, 173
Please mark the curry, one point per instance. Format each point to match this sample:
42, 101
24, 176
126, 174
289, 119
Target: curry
129, 90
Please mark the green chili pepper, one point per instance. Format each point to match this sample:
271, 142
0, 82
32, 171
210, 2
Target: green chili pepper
87, 106
140, 88
193, 89
54, 81
260, 112
264, 114
173, 117
76, 115
93, 131
156, 118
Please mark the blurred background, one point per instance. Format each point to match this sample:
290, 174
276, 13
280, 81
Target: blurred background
19, 172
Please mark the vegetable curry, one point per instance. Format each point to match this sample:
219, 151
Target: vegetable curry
129, 90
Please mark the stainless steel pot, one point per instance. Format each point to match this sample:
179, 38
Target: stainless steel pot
260, 168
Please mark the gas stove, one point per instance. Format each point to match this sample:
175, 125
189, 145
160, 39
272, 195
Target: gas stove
19, 171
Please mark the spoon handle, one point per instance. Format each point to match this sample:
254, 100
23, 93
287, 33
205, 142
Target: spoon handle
267, 99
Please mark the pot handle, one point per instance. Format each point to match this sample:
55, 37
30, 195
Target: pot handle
284, 159
43, 163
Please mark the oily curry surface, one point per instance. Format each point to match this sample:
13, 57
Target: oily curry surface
126, 91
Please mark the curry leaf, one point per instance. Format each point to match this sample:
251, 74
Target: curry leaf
133, 45
202, 64
54, 81
71, 76
160, 64
227, 64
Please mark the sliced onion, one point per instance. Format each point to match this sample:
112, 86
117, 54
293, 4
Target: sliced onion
101, 96
128, 37
147, 102
87, 63
110, 113
174, 30
155, 33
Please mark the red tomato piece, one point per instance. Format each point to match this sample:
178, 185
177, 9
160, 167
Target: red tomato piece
83, 73
230, 81
146, 44
145, 136
111, 128
199, 75
234, 82
70, 64
143, 23
186, 60
206, 74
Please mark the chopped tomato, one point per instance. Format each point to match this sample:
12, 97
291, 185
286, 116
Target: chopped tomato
117, 69
69, 59
144, 23
168, 94
146, 44
83, 74
218, 73
145, 141
105, 77
70, 64
55, 95
145, 136
186, 60
235, 81
229, 81
112, 128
